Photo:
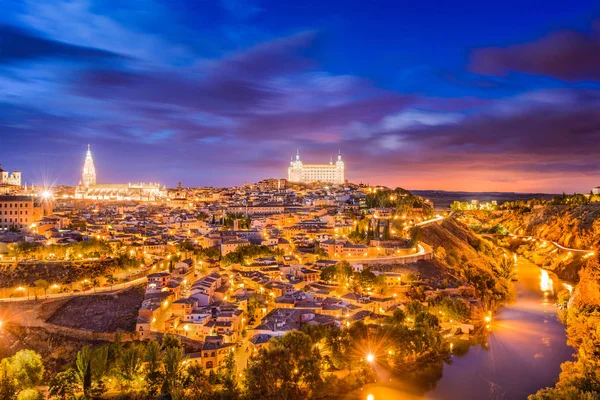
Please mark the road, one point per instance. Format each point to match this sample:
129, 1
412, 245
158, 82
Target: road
98, 290
554, 243
438, 218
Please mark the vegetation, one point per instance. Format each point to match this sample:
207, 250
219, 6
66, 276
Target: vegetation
245, 254
314, 363
580, 379
401, 200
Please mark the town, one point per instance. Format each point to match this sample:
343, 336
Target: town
226, 270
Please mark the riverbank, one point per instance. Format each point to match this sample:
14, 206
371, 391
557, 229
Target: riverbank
521, 353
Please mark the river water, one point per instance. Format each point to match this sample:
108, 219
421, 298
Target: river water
522, 354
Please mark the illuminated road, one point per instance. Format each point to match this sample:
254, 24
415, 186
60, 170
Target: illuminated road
98, 290
554, 243
438, 218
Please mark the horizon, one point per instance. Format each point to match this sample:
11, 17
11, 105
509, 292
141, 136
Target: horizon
477, 98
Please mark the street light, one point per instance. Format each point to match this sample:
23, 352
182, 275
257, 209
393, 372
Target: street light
370, 357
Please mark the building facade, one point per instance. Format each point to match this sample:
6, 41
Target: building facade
333, 173
18, 212
6, 178
89, 189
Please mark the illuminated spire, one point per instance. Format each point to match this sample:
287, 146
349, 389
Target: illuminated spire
88, 177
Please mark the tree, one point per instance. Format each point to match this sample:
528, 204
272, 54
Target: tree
130, 364
42, 285
252, 307
427, 320
170, 341
197, 383
173, 356
416, 234
153, 369
398, 317
63, 385
8, 384
414, 308
227, 373
30, 394
110, 280
27, 368
289, 368
83, 366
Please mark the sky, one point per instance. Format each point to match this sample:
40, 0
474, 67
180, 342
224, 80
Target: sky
469, 95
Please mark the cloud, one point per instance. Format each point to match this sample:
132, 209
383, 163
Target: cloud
19, 45
567, 54
80, 22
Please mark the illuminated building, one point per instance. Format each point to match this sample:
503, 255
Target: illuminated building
6, 178
90, 190
22, 211
309, 173
88, 178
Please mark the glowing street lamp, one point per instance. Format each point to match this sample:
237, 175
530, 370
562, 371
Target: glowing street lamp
370, 358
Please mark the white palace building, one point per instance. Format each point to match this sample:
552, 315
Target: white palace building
90, 190
308, 173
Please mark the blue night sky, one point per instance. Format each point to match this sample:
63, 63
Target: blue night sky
463, 95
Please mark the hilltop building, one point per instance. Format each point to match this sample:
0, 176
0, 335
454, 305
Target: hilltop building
596, 190
89, 189
309, 173
6, 178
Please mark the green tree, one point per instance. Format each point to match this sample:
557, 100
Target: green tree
111, 280
290, 368
416, 234
63, 385
172, 362
30, 394
227, 373
414, 308
42, 285
197, 383
8, 384
83, 366
153, 369
130, 364
27, 368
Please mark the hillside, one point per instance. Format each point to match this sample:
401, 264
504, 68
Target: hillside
572, 226
470, 259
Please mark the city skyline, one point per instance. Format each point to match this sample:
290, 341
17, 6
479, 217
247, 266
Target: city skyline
222, 93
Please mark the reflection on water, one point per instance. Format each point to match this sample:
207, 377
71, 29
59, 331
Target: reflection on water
546, 283
521, 355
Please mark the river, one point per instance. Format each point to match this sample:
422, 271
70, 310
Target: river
522, 354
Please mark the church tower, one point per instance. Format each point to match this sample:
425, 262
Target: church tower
88, 177
339, 170
295, 169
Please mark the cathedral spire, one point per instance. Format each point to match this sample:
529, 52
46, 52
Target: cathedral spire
88, 177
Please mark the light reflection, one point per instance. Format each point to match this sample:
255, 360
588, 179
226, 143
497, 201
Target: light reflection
546, 284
